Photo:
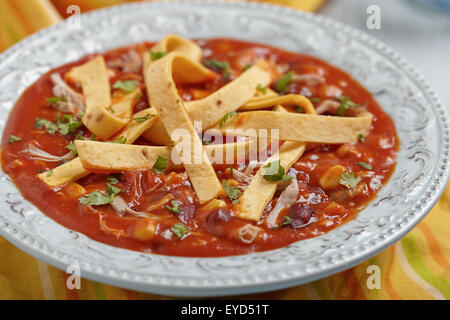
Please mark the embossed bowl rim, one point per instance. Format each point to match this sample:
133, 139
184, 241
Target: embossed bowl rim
240, 282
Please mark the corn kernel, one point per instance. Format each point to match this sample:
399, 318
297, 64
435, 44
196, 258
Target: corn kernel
330, 179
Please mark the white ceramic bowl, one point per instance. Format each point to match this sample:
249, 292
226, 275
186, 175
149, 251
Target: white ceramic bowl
418, 181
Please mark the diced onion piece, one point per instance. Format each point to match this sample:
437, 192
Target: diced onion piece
39, 154
248, 233
287, 199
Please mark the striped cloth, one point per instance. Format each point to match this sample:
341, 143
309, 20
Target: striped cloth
417, 267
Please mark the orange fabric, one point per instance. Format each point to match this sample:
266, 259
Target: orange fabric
416, 267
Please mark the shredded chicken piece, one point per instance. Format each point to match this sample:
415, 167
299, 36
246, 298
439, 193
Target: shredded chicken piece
311, 79
248, 174
251, 167
38, 154
328, 106
72, 101
129, 62
242, 177
121, 207
287, 199
248, 233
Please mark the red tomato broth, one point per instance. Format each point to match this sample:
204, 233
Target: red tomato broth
212, 235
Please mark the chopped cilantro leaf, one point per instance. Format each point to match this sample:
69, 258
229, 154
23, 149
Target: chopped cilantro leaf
349, 180
226, 75
112, 179
96, 198
261, 88
283, 82
67, 124
72, 147
300, 109
13, 138
361, 137
120, 140
365, 165
316, 100
179, 229
111, 109
345, 105
127, 86
157, 55
175, 208
54, 100
49, 126
275, 172
160, 165
285, 222
248, 66
142, 119
217, 65
112, 190
226, 117
232, 192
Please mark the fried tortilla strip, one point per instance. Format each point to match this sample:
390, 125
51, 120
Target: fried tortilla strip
172, 42
111, 157
263, 102
302, 127
213, 108
123, 107
94, 80
164, 97
103, 123
260, 191
73, 170
139, 123
210, 110
65, 173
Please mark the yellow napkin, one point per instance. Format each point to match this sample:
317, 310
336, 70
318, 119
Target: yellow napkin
416, 267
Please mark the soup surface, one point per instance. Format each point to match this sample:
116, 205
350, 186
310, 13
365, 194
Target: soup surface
204, 230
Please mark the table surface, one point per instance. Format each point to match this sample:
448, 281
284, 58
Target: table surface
421, 35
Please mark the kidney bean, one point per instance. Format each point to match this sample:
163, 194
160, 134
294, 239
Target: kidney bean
300, 215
